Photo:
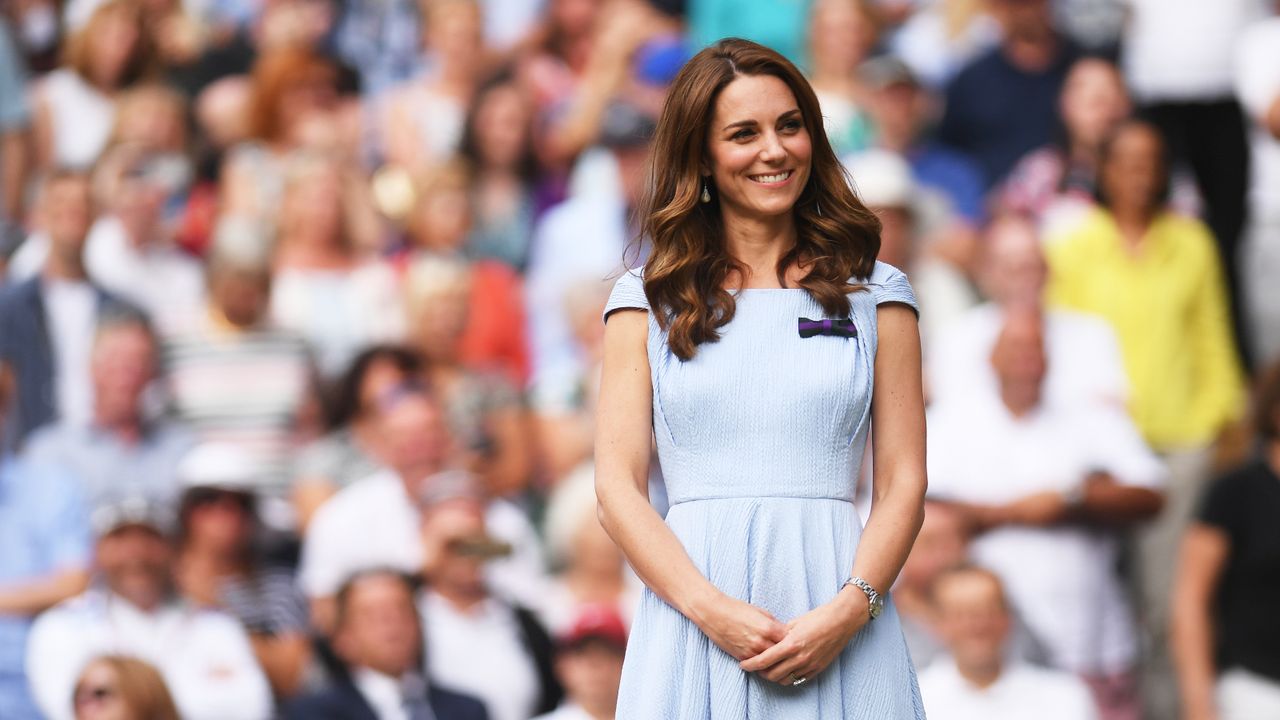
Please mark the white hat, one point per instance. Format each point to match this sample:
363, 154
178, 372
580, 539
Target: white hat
219, 465
883, 179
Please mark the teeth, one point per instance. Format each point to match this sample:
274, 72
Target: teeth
772, 178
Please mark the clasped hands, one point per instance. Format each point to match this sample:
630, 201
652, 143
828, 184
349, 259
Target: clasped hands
782, 652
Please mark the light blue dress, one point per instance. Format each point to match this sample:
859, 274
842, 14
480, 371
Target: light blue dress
760, 438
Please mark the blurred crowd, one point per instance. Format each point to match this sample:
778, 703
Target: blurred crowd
300, 333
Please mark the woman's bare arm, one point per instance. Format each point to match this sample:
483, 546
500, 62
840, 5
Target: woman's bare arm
1204, 554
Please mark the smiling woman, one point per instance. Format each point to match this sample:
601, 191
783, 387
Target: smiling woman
764, 329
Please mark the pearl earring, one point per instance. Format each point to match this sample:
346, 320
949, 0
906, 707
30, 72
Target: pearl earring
706, 194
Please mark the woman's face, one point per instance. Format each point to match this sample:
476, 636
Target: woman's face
1133, 174
97, 695
380, 378
221, 519
502, 126
115, 40
841, 35
758, 147
444, 220
313, 205
1093, 101
441, 320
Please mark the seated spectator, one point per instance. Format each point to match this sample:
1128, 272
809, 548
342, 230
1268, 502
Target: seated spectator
353, 449
205, 657
1224, 635
1083, 354
121, 451
46, 322
218, 567
842, 34
942, 37
480, 644
1048, 487
942, 543
118, 687
589, 665
44, 534
978, 681
234, 377
378, 635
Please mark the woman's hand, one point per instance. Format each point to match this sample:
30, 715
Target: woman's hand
813, 640
740, 629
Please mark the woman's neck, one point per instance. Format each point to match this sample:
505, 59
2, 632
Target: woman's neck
759, 244
312, 254
1133, 223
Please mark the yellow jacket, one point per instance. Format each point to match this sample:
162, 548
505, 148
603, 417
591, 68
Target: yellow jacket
1168, 304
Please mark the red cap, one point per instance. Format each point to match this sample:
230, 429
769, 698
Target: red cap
596, 621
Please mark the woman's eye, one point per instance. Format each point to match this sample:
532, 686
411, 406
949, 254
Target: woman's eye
742, 134
792, 125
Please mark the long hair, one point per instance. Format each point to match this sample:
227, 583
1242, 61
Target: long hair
836, 235
141, 687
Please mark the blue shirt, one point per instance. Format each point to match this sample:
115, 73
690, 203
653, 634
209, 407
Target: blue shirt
44, 528
778, 24
953, 174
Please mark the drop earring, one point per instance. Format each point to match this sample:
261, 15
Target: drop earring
706, 194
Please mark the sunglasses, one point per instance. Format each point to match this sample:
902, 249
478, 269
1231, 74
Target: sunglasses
481, 548
93, 695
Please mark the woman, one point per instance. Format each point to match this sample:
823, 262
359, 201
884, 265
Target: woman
842, 34
1225, 632
756, 605
114, 687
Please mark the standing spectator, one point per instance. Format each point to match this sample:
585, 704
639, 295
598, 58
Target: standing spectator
218, 566
46, 322
842, 34
978, 681
15, 124
480, 644
1257, 82
1224, 634
1048, 487
235, 377
206, 658
1179, 59
1004, 103
118, 687
589, 665
44, 534
121, 451
378, 635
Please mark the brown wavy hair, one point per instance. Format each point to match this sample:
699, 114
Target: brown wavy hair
837, 237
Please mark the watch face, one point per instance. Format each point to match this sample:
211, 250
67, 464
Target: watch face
877, 607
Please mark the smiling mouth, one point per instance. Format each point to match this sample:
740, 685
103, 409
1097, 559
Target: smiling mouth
774, 178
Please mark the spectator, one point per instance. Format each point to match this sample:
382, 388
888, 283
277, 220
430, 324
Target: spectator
352, 450
978, 681
942, 543
379, 637
1048, 487
205, 656
1257, 83
218, 566
75, 105
117, 687
234, 376
1002, 105
1055, 184
480, 644
45, 537
589, 665
942, 37
1084, 358
121, 451
842, 34
46, 322
1224, 638
15, 124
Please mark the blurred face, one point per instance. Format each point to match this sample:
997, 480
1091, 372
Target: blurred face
115, 40
441, 320
137, 203
444, 219
842, 35
134, 560
414, 437
1024, 20
153, 122
590, 675
896, 235
381, 376
574, 17
123, 364
456, 544
98, 695
594, 550
220, 520
380, 628
1094, 100
1134, 173
455, 33
300, 102
502, 126
1018, 356
940, 544
759, 148
241, 295
313, 206
899, 107
973, 619
66, 212
1016, 271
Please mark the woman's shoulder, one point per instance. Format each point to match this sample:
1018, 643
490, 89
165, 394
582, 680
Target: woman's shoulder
628, 292
889, 284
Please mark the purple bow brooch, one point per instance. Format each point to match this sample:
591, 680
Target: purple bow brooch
837, 327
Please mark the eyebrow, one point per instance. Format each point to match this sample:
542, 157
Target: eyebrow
751, 123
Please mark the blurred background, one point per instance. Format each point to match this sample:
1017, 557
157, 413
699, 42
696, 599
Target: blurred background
300, 337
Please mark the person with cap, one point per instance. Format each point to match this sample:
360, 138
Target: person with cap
44, 557
589, 665
378, 638
219, 567
205, 656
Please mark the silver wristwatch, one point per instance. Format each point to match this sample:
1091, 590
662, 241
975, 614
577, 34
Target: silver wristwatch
874, 599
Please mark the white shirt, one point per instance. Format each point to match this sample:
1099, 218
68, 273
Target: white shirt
1082, 351
1061, 579
204, 656
163, 281
1258, 86
1021, 692
383, 693
1184, 49
82, 118
373, 523
567, 711
70, 309
481, 653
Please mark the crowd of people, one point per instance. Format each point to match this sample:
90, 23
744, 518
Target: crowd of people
300, 327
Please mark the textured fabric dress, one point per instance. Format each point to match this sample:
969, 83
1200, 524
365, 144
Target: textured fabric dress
760, 437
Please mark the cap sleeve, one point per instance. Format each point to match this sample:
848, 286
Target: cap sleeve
628, 292
889, 284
